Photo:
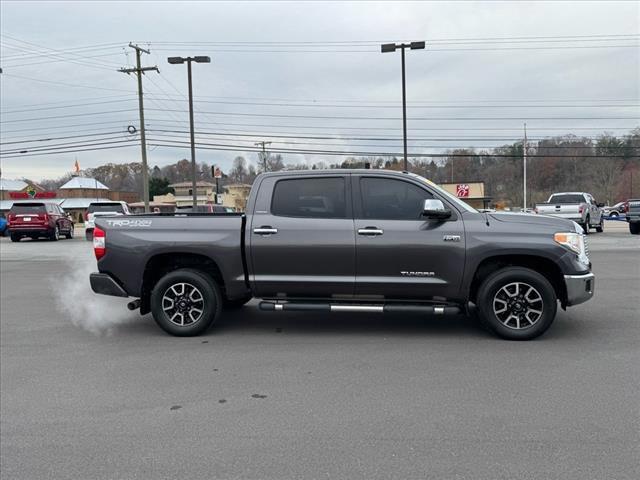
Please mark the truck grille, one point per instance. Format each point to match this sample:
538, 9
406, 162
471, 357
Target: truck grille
586, 246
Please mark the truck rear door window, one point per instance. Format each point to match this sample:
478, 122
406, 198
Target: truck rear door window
106, 207
389, 199
310, 197
566, 199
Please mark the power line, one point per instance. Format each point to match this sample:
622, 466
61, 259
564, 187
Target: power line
90, 149
92, 87
342, 117
107, 112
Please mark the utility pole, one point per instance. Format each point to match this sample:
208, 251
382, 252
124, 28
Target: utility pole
524, 177
264, 153
139, 71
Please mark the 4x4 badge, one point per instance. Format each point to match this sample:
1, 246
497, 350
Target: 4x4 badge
451, 238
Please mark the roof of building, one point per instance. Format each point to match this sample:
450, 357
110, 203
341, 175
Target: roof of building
84, 182
237, 185
12, 185
81, 202
189, 184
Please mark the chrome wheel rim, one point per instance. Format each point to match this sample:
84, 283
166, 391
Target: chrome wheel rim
518, 305
183, 304
56, 233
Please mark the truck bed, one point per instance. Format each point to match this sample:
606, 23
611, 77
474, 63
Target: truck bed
138, 244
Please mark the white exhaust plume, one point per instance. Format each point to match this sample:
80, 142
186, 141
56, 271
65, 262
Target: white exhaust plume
99, 314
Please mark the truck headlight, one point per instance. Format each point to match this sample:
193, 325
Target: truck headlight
574, 242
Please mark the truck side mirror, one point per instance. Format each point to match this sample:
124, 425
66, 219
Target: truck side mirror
600, 205
435, 209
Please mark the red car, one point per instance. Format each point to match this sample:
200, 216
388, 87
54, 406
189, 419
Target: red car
38, 219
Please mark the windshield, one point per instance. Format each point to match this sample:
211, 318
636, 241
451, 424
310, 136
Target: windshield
567, 198
441, 191
106, 207
35, 208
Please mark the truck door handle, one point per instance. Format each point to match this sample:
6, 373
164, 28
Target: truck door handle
265, 230
371, 231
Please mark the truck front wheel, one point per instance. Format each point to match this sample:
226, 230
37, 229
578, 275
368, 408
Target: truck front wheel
516, 303
634, 228
185, 302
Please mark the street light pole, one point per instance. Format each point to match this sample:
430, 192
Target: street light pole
193, 138
188, 60
392, 47
404, 114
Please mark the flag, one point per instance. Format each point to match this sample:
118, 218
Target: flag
77, 167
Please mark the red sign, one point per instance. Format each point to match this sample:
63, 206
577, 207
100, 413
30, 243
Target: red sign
462, 190
19, 195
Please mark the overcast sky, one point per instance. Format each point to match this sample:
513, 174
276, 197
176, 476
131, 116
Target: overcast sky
315, 86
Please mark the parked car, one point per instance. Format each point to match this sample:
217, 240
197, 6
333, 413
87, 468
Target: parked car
346, 241
38, 219
209, 208
633, 215
580, 207
616, 210
4, 230
102, 209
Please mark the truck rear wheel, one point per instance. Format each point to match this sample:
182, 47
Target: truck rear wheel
516, 303
585, 226
600, 227
634, 228
185, 302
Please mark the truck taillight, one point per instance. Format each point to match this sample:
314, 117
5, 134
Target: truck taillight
45, 217
99, 243
580, 209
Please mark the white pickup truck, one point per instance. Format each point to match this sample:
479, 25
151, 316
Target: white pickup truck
102, 208
580, 207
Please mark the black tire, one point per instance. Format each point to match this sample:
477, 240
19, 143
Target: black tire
69, 234
237, 303
634, 228
55, 235
585, 226
88, 234
15, 237
613, 214
211, 302
600, 228
492, 291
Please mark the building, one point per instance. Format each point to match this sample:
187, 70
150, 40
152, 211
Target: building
11, 189
74, 196
236, 196
470, 192
205, 194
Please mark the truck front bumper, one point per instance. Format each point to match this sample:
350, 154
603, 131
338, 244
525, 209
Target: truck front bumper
103, 284
580, 288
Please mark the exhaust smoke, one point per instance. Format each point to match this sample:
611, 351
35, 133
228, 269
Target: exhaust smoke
98, 314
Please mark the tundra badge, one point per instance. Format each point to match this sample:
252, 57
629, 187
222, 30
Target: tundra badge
451, 238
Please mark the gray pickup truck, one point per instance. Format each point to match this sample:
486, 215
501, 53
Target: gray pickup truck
346, 241
632, 215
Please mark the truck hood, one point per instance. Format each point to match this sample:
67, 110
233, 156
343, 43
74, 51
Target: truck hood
532, 219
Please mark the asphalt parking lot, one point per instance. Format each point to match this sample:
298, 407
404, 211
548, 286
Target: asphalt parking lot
90, 390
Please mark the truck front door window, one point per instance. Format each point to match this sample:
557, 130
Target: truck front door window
388, 199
